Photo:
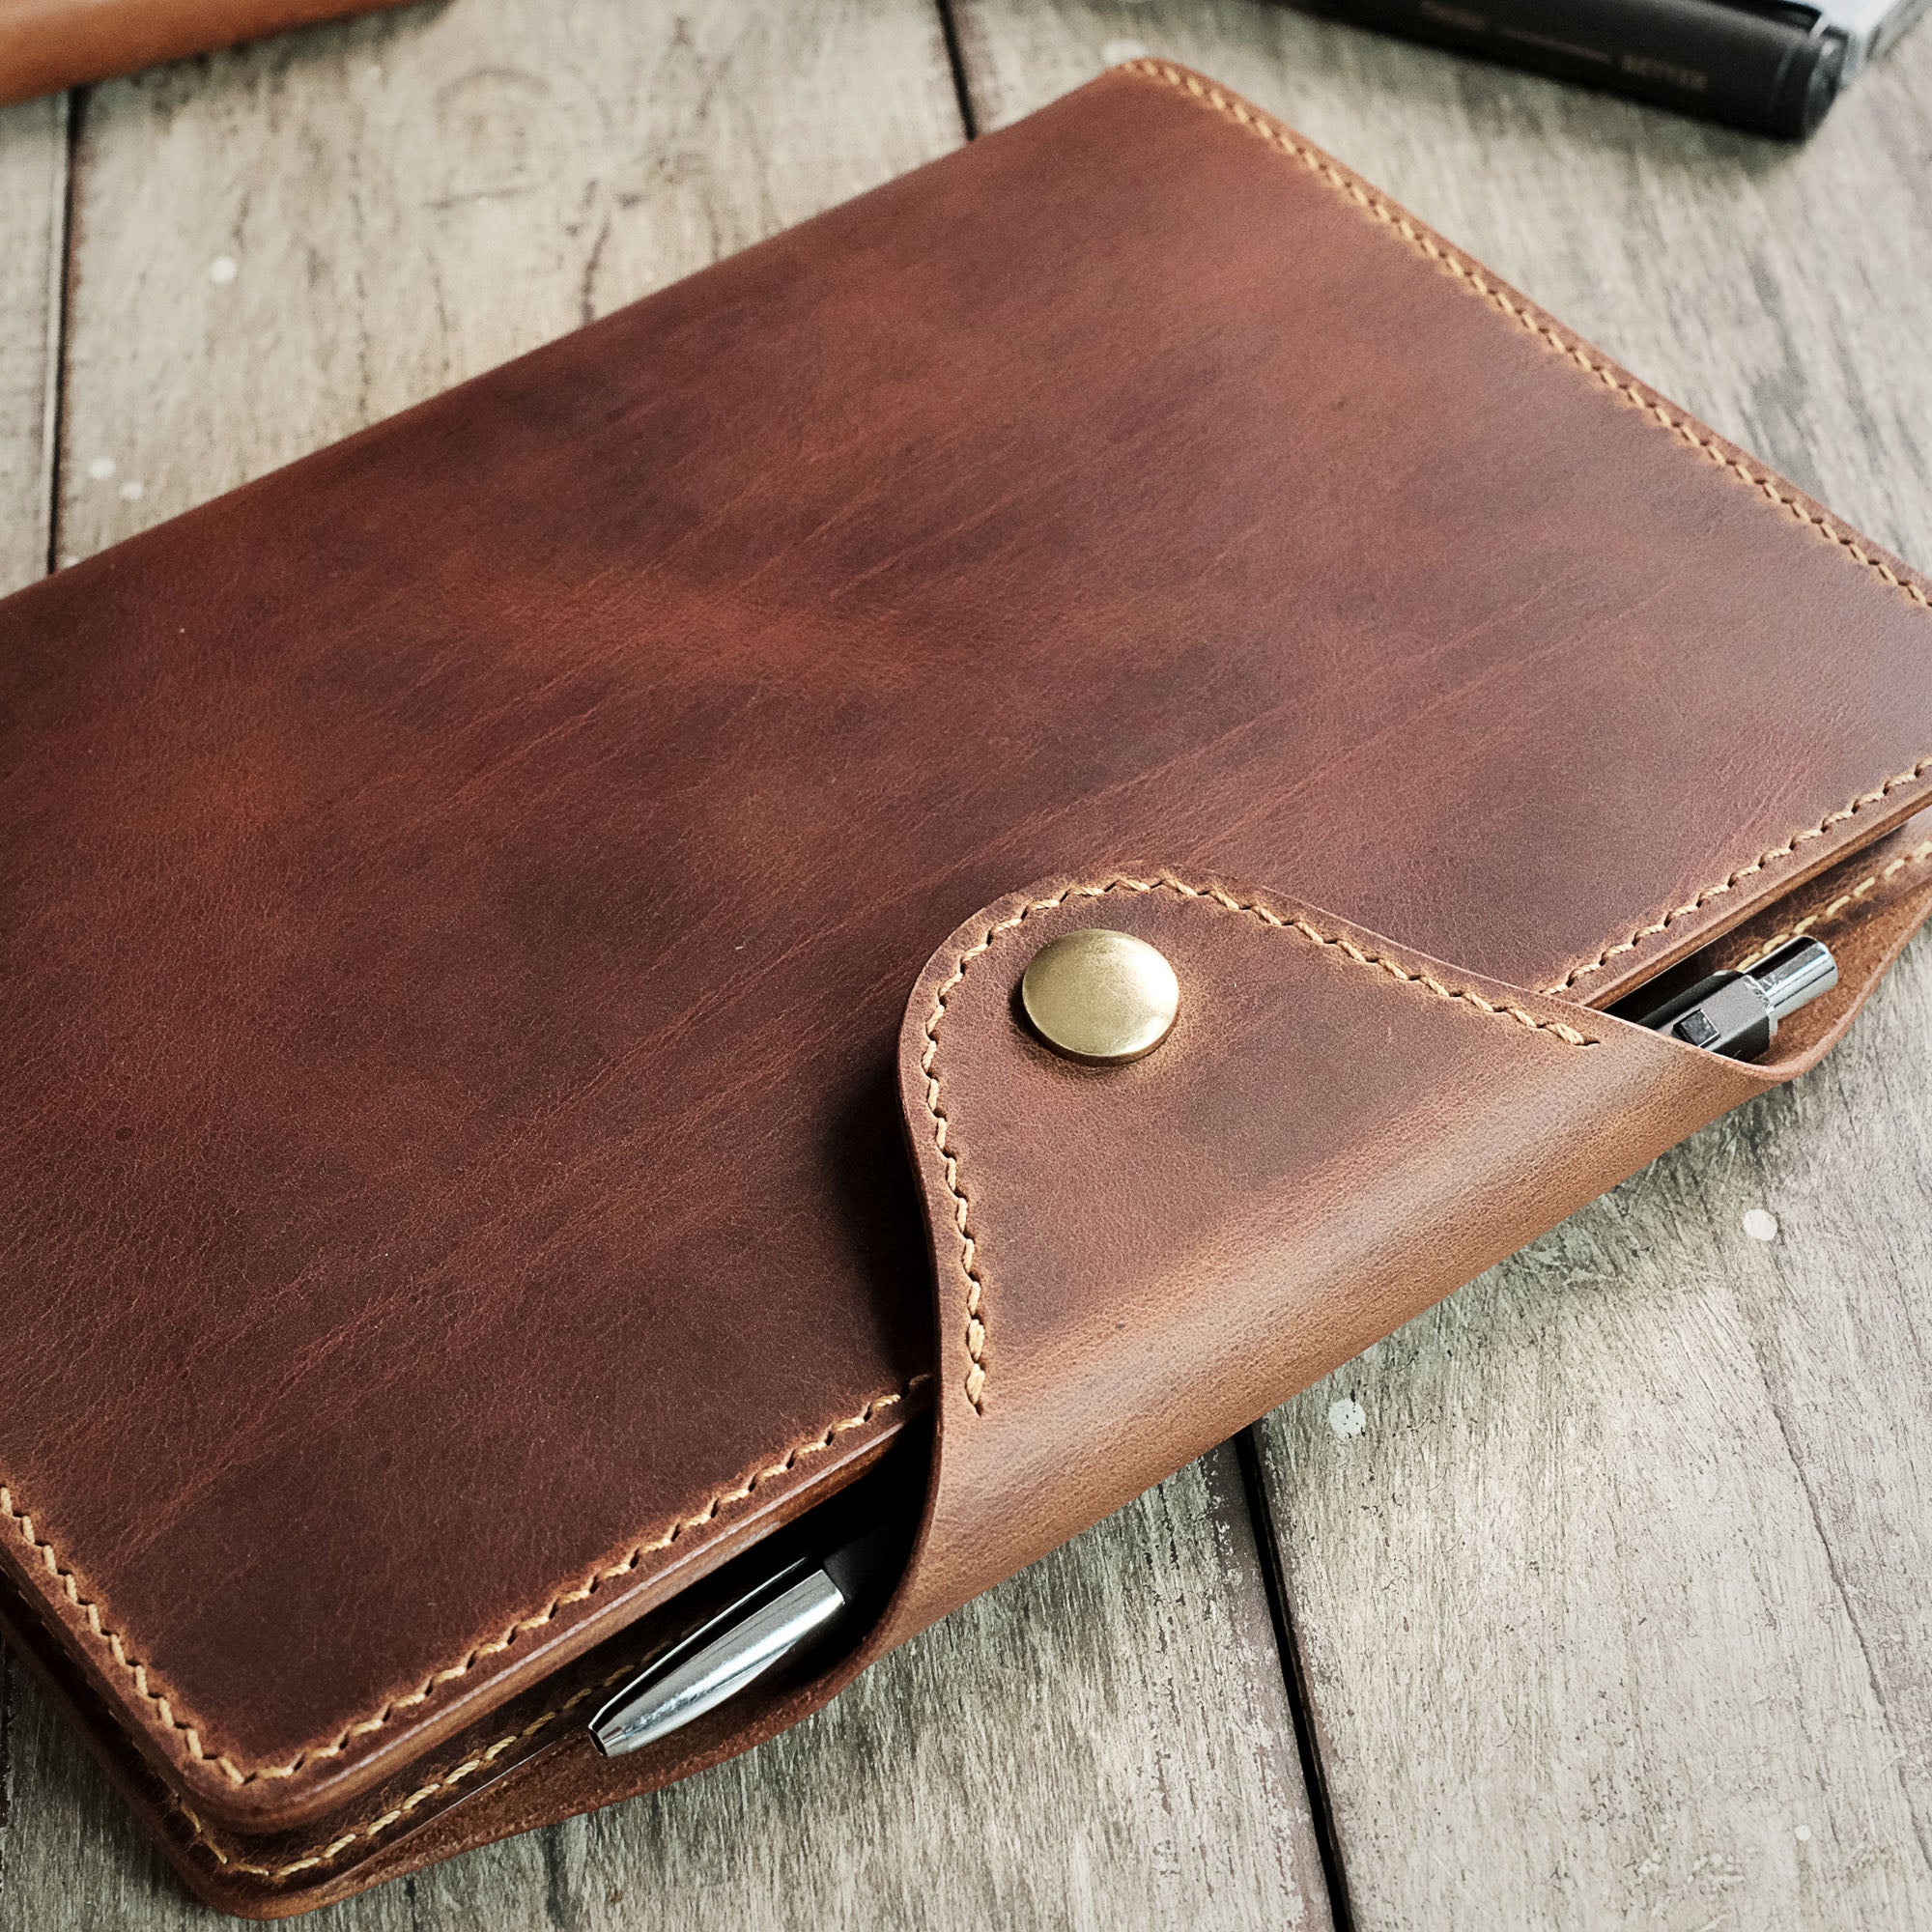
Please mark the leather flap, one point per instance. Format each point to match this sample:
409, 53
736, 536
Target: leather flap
1132, 1263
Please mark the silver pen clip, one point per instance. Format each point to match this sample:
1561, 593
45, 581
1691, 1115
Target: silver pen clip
797, 1607
737, 1647
1738, 1014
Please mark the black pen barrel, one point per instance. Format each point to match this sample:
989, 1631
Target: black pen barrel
1767, 67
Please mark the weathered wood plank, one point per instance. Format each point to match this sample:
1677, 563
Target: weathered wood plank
1615, 1605
278, 247
33, 200
1614, 1610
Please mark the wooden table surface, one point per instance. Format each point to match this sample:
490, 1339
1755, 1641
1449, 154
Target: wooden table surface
1601, 1597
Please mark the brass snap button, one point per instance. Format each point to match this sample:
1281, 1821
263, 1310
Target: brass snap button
1100, 996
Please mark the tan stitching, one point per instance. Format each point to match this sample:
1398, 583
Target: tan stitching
1528, 317
1837, 906
976, 1325
1545, 330
238, 1775
375, 1827
1757, 864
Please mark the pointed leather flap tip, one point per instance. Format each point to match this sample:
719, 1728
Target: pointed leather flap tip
1132, 1262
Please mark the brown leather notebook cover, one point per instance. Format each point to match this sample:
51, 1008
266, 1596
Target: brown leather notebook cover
48, 44
491, 906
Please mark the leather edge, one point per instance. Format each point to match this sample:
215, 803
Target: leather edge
580, 1613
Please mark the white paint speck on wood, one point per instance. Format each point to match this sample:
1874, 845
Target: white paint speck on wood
1346, 1417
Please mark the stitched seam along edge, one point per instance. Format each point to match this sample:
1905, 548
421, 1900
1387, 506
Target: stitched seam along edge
974, 1383
237, 1774
374, 1826
1839, 907
1757, 864
1266, 129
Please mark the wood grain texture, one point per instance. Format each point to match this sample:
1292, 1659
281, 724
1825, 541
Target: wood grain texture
275, 247
1614, 1612
1614, 1609
33, 220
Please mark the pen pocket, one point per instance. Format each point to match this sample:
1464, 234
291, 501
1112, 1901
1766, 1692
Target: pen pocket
1864, 908
1132, 1262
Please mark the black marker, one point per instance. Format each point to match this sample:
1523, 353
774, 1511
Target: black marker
1774, 66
